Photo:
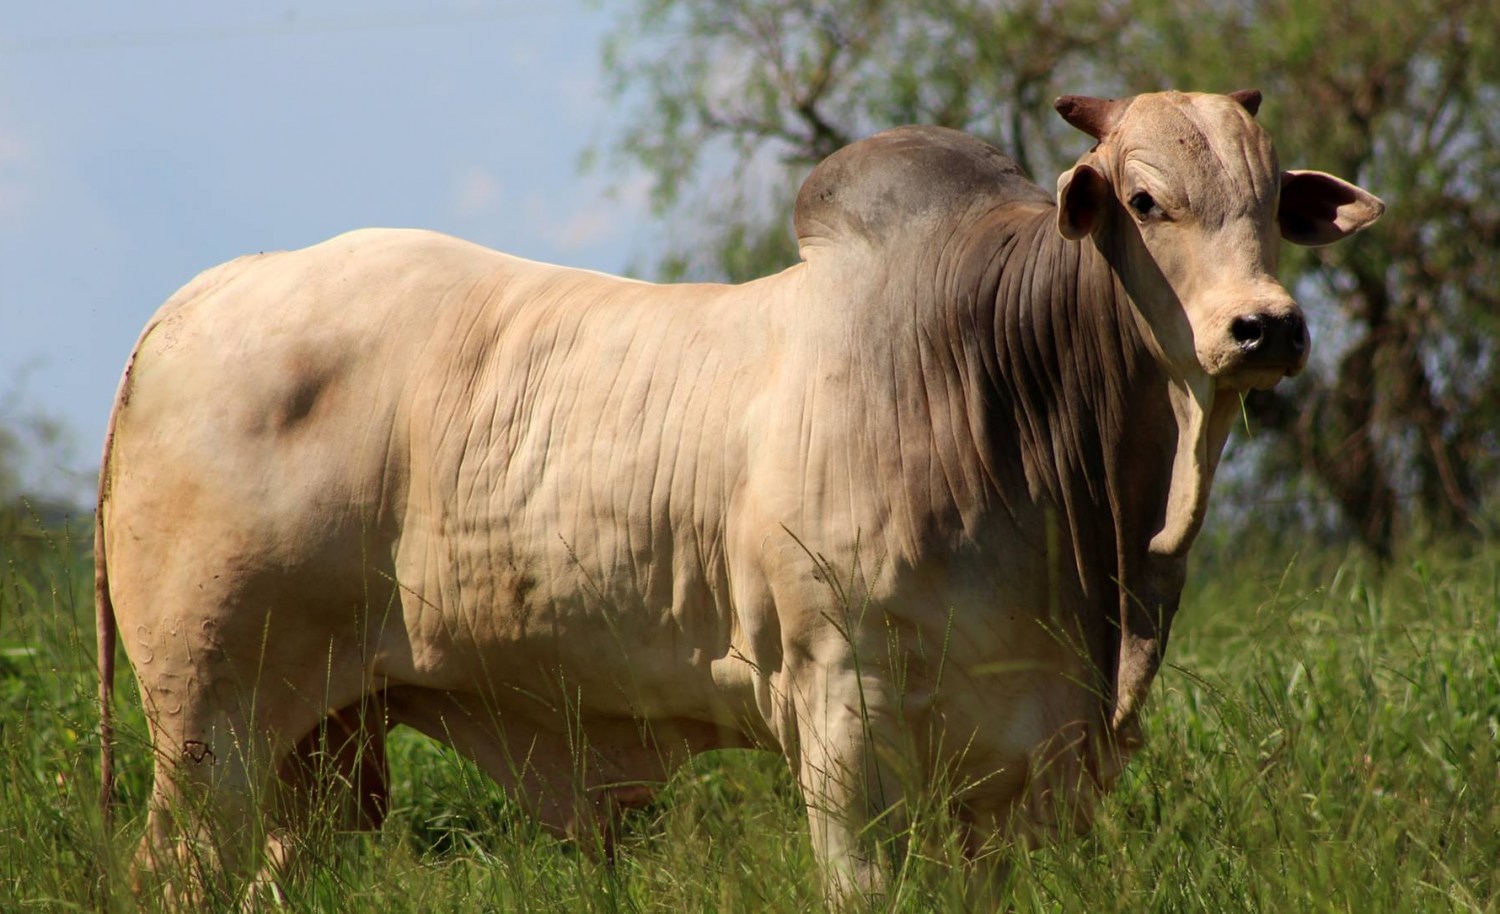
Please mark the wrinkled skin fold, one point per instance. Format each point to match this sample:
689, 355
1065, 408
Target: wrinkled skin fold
915, 510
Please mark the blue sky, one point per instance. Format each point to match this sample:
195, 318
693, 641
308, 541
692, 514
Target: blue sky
143, 142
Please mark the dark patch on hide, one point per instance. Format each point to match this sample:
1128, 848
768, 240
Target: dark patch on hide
308, 381
521, 587
197, 750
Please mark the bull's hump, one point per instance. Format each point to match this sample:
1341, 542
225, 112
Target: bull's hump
910, 178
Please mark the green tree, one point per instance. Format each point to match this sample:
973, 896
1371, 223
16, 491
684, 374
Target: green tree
737, 99
1398, 423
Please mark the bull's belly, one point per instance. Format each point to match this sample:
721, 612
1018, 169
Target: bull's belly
563, 658
546, 640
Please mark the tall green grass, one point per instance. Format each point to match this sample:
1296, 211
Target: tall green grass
1326, 737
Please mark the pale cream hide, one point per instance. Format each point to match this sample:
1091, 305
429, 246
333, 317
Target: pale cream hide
915, 510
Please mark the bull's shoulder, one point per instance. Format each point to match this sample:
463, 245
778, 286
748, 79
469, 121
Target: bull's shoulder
883, 186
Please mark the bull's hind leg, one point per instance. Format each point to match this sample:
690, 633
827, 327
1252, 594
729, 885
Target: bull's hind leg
338, 774
224, 715
213, 770
336, 779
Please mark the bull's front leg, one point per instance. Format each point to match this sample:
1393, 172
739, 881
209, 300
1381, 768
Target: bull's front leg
845, 757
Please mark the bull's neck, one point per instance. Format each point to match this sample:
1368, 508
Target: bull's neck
1096, 431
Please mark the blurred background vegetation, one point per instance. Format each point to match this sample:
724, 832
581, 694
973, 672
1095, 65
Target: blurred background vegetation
36, 471
1394, 432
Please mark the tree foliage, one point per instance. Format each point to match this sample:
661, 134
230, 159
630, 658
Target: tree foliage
737, 100
1398, 420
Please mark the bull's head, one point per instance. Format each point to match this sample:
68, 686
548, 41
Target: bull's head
1184, 196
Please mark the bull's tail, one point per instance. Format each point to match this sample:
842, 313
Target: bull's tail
104, 619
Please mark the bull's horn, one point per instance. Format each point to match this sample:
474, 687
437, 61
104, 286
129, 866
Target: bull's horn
1094, 116
1249, 98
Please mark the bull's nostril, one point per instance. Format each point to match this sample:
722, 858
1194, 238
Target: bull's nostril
1247, 331
1270, 339
1299, 338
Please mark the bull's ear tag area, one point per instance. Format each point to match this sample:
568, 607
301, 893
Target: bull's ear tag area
1317, 208
1082, 193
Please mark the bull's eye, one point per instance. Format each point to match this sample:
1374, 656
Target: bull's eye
1144, 206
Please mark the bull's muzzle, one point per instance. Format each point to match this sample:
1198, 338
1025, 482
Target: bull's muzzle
1271, 340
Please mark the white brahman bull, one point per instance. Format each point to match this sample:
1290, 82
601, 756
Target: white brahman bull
915, 509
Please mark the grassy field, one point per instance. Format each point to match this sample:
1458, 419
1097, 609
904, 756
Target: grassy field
1326, 738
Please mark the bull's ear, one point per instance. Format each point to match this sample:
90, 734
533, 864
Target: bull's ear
1317, 208
1249, 99
1082, 194
1094, 116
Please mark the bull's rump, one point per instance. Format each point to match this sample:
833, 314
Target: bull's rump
451, 468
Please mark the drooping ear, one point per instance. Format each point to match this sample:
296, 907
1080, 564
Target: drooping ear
1082, 194
1249, 99
1094, 116
1317, 208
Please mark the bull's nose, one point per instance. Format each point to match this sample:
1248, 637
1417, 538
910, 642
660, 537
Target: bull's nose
1271, 339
